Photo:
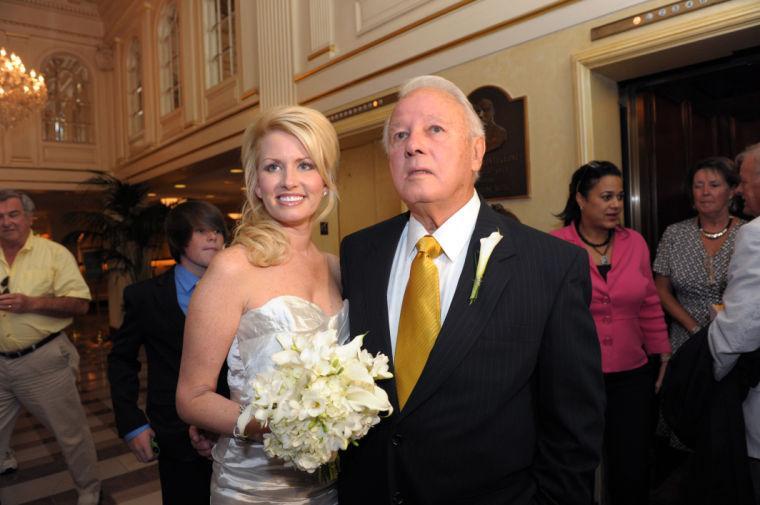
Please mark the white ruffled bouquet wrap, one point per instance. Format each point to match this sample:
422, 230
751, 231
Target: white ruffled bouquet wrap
319, 397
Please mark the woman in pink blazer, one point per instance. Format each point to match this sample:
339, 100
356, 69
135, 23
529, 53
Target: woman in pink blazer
629, 322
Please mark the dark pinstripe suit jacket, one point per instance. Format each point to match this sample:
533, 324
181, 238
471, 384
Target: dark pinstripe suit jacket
509, 407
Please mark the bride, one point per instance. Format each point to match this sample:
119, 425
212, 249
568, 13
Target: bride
273, 279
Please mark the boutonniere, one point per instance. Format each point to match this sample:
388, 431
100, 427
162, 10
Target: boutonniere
487, 245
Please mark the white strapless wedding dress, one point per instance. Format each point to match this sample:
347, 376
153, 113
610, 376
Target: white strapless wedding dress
243, 473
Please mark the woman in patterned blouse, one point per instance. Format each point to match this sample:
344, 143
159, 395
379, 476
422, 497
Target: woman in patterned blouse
690, 274
693, 255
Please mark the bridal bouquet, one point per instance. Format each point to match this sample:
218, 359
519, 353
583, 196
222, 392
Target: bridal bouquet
319, 397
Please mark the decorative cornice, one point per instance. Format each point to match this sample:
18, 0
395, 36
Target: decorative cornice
86, 9
52, 30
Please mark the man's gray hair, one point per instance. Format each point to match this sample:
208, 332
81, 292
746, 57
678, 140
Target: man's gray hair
754, 151
26, 202
474, 123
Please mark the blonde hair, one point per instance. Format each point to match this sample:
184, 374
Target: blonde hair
258, 232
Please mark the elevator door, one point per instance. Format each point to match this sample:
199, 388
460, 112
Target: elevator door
673, 120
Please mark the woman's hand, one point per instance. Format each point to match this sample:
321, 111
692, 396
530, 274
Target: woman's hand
664, 358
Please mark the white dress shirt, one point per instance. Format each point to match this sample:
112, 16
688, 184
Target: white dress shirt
454, 237
736, 329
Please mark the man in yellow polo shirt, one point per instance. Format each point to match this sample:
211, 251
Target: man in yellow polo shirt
40, 290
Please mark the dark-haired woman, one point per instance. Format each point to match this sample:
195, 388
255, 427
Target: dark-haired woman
691, 268
629, 322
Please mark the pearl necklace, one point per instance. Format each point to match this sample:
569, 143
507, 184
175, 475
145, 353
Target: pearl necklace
717, 234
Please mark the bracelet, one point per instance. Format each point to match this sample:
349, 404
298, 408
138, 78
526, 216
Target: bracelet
237, 435
238, 432
695, 330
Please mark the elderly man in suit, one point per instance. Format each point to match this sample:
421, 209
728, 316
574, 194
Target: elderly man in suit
736, 329
155, 318
498, 393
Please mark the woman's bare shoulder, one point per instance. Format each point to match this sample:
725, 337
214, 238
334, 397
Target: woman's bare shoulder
333, 263
230, 263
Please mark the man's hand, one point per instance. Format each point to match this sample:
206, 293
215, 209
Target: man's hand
141, 448
202, 441
52, 306
15, 302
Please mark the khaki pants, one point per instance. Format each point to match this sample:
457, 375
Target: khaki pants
44, 382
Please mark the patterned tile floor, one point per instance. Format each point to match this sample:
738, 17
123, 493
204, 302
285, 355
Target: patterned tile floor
42, 477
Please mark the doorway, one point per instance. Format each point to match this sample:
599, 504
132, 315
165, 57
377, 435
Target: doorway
673, 119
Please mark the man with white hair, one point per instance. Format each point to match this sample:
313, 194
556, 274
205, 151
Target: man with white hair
736, 329
497, 392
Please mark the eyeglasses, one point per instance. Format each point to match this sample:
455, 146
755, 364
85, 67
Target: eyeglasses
4, 285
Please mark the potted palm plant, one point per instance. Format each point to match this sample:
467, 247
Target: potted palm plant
127, 233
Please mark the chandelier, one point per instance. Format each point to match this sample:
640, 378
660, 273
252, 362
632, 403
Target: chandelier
21, 93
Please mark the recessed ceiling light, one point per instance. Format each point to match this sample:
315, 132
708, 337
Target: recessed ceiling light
234, 215
180, 186
151, 195
210, 196
236, 170
170, 201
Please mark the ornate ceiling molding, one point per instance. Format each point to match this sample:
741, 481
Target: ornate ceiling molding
80, 8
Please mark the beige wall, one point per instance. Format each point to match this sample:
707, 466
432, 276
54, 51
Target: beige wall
541, 50
545, 70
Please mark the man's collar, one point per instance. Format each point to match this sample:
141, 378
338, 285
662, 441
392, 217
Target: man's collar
26, 247
185, 278
29, 242
450, 234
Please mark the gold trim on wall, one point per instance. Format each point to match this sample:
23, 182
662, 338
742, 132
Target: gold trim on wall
453, 43
251, 92
319, 52
651, 16
380, 40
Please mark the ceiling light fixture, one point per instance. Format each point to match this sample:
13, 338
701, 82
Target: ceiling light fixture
21, 93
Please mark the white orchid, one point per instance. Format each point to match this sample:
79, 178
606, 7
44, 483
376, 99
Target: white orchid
487, 245
319, 397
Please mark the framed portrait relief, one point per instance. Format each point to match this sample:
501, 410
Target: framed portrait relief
504, 173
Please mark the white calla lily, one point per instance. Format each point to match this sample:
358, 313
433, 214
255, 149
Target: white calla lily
487, 245
319, 397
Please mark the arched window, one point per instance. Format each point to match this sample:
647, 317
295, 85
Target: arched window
68, 112
219, 25
168, 58
135, 89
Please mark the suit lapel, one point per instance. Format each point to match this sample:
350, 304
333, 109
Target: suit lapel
379, 263
464, 321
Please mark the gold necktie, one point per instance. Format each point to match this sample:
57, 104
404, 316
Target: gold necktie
420, 319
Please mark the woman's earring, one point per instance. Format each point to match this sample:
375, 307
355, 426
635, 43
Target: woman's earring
324, 192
